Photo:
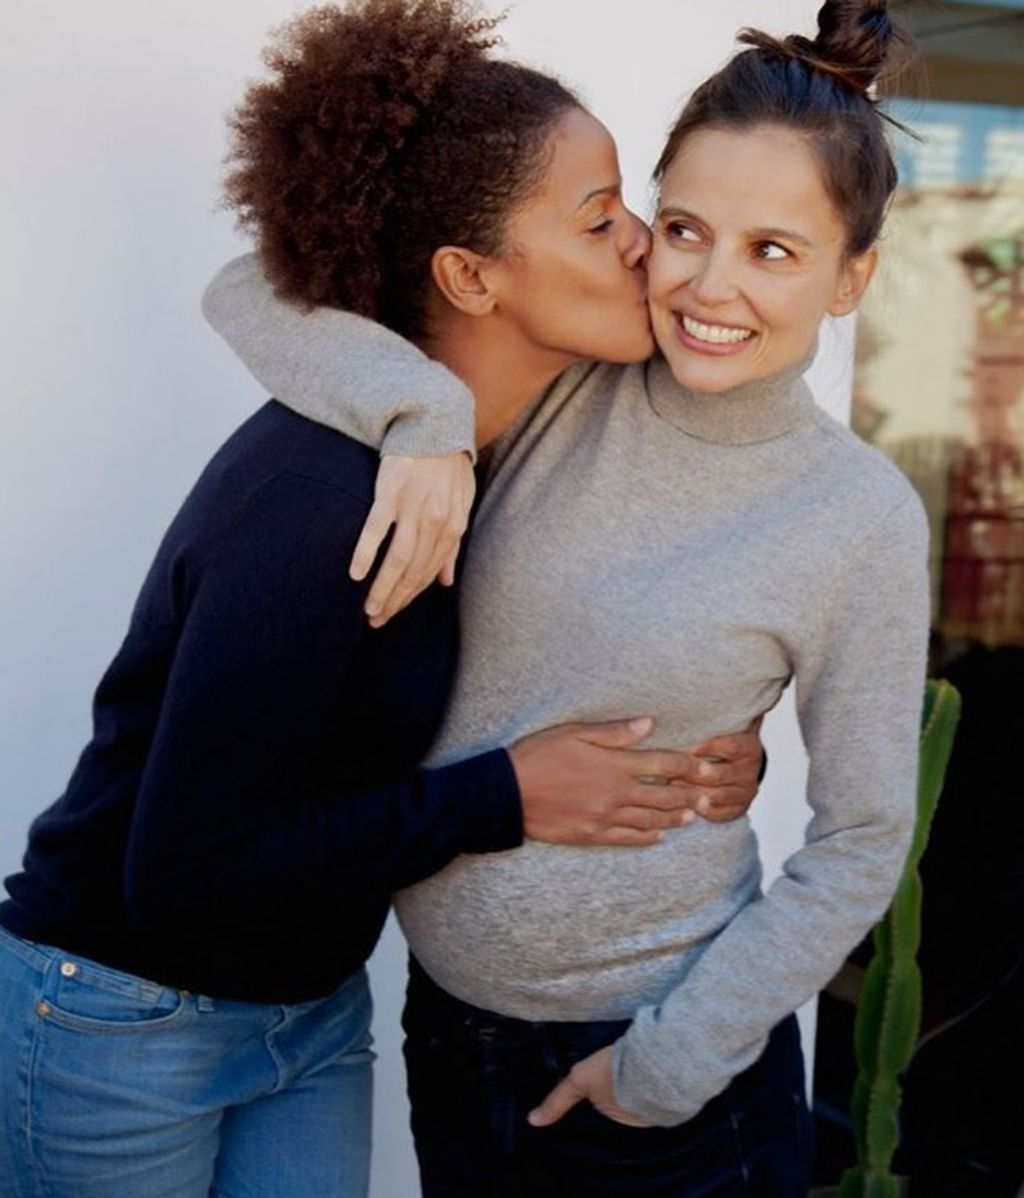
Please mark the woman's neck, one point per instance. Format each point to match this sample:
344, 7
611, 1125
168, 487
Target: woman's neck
504, 373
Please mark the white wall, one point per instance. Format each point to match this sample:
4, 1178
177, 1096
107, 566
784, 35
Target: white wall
114, 393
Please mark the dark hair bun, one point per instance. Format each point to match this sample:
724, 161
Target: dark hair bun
856, 36
854, 42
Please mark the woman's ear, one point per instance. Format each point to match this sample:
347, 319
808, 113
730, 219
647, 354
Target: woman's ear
462, 277
854, 276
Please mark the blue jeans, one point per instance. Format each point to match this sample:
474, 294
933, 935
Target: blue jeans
112, 1086
474, 1076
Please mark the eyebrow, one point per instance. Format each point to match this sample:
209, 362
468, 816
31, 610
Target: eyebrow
760, 234
612, 190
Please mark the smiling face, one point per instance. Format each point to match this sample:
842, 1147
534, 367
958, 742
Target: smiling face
573, 279
749, 256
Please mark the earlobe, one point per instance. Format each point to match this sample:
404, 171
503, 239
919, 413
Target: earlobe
461, 277
853, 282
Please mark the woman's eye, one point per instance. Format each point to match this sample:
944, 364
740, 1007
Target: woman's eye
682, 232
771, 251
604, 225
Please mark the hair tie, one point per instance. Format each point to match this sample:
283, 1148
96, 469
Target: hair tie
803, 50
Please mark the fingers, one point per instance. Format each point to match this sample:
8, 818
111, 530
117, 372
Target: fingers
559, 1102
447, 575
418, 577
427, 501
616, 734
733, 747
703, 774
400, 553
664, 764
419, 573
446, 550
675, 797
376, 528
678, 805
647, 819
723, 813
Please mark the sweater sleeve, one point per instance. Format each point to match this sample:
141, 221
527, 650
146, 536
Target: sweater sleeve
340, 369
859, 695
232, 815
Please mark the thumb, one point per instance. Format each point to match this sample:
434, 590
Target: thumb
559, 1102
616, 734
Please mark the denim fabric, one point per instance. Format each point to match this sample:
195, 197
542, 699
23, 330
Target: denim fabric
112, 1086
474, 1076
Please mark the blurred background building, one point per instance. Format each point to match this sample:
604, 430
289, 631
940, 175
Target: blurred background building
939, 387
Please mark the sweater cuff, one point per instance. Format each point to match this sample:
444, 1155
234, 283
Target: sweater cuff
487, 804
636, 1091
433, 432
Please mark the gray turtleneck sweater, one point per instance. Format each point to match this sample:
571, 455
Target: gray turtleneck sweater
642, 548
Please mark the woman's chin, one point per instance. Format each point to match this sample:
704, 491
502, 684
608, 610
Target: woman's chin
707, 372
626, 351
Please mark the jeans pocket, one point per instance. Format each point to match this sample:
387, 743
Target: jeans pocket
773, 1136
345, 1019
588, 1153
83, 996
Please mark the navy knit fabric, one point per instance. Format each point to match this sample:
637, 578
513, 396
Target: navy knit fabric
250, 796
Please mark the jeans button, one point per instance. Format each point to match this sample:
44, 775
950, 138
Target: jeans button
42, 1009
68, 969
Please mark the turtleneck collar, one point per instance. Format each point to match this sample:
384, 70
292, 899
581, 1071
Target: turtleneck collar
757, 411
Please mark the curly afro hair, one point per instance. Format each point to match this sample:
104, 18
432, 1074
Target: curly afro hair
385, 131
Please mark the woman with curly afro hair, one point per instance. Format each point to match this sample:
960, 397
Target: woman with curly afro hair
182, 975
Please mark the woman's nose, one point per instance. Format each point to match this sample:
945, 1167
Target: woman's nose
715, 282
639, 245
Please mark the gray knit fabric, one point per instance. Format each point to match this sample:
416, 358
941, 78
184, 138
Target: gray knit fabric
642, 549
423, 414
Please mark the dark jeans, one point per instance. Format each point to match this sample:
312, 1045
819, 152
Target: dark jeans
474, 1076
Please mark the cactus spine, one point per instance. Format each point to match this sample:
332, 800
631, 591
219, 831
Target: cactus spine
889, 1010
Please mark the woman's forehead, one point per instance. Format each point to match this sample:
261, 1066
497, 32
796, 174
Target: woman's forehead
583, 163
763, 177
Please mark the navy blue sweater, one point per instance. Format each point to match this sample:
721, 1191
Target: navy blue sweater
251, 796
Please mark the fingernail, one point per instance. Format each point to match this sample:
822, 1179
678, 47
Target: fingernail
533, 1118
373, 609
686, 817
641, 725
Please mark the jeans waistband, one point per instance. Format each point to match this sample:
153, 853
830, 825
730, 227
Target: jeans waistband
427, 993
430, 1009
43, 957
25, 950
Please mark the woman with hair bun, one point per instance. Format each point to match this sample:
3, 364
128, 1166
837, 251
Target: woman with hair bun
185, 1006
688, 535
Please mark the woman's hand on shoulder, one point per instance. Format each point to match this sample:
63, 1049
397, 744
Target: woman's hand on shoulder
427, 500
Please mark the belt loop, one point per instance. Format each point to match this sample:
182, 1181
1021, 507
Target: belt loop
204, 1003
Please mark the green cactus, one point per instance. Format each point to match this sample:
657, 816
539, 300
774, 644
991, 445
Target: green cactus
889, 1010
